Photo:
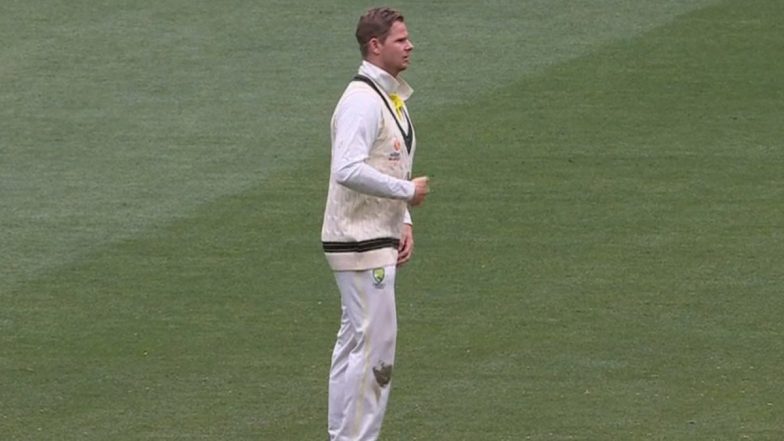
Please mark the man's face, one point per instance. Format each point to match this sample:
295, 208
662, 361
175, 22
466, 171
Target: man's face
396, 49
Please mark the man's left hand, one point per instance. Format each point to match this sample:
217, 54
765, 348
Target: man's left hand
406, 248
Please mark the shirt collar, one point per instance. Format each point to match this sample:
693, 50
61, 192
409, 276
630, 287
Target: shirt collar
387, 82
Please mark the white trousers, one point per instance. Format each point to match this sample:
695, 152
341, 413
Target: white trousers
364, 354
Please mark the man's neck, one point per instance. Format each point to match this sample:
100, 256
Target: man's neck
380, 66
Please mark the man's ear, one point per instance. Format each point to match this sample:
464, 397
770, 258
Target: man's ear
374, 45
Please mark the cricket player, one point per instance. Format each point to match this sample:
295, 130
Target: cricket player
367, 232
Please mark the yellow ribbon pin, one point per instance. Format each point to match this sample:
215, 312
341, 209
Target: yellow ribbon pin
398, 102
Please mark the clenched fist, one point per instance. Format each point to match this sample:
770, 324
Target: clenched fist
421, 189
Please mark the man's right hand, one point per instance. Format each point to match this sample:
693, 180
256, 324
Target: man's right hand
421, 189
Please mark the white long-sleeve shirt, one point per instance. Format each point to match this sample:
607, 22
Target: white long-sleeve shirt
372, 155
356, 123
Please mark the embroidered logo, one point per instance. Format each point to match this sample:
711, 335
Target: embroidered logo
378, 277
395, 155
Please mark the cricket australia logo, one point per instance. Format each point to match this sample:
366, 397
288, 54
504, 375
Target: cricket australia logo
378, 277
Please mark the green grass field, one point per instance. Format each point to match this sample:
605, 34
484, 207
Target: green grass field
602, 256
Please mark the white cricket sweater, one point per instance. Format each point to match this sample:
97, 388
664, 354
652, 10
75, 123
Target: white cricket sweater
370, 170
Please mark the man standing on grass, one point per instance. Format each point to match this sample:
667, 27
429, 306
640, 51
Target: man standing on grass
367, 230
